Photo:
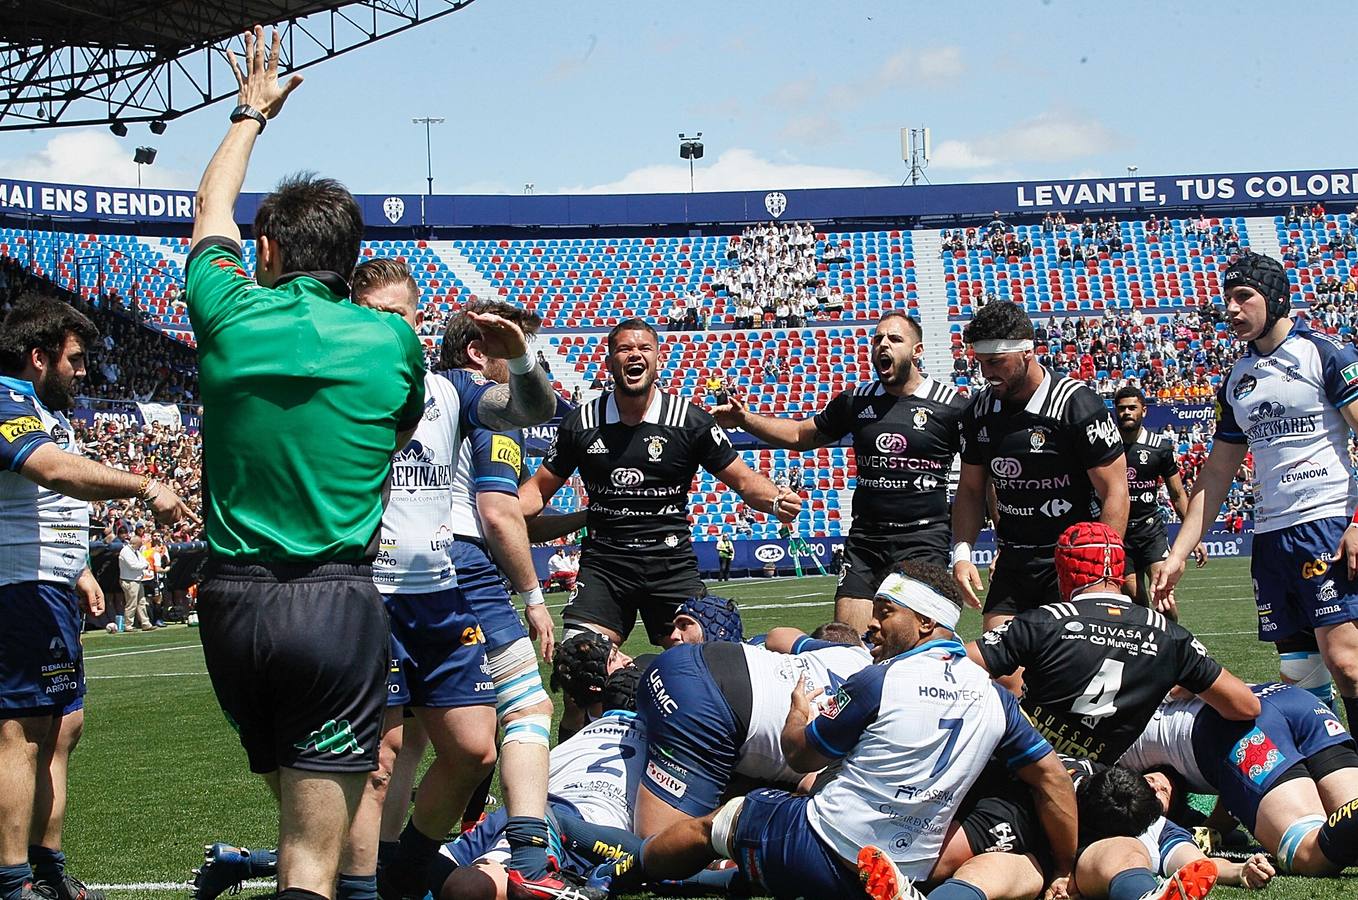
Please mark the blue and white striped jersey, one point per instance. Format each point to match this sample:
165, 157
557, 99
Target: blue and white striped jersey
1286, 405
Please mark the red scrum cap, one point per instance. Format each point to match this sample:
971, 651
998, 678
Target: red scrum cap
1087, 553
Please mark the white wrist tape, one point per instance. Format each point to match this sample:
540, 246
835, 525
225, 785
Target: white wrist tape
522, 365
532, 596
961, 552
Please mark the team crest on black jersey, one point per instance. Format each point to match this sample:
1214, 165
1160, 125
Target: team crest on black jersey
921, 418
1144, 457
1037, 439
655, 447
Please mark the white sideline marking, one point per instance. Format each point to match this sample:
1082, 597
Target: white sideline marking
254, 884
89, 657
143, 675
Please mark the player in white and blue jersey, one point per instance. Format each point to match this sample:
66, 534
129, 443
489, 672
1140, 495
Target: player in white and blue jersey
490, 546
438, 645
911, 734
45, 489
591, 793
1290, 776
1289, 400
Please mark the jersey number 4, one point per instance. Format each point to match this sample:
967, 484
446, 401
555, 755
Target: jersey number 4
1100, 695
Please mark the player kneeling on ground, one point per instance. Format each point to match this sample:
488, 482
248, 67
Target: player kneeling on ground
1290, 776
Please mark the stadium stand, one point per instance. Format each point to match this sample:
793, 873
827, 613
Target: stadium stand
1113, 300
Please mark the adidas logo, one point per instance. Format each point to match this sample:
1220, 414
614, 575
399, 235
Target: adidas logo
598, 446
983, 436
868, 413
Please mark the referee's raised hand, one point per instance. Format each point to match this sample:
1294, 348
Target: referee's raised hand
259, 86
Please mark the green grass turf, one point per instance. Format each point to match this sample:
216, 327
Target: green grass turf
159, 773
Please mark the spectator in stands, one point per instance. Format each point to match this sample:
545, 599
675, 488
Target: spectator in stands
678, 312
576, 396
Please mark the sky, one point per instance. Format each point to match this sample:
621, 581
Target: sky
591, 96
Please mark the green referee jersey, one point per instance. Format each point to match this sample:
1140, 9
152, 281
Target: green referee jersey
303, 393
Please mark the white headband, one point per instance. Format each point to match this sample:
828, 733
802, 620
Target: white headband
917, 596
1001, 346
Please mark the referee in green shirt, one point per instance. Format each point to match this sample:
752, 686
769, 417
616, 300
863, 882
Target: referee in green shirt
305, 398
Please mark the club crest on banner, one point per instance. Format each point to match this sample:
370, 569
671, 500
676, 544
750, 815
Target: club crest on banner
393, 208
776, 203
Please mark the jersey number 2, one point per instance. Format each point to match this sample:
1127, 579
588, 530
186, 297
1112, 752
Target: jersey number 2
624, 752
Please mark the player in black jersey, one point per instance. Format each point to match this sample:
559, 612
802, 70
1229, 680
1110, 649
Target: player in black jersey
1095, 665
637, 449
1048, 446
1150, 460
905, 435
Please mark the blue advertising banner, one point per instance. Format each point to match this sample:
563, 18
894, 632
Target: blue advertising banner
1091, 195
754, 557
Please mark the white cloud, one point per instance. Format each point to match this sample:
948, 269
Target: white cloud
931, 65
958, 155
91, 156
735, 170
1049, 137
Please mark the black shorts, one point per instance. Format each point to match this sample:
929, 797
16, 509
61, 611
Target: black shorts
1146, 542
1020, 581
614, 585
998, 816
298, 656
868, 558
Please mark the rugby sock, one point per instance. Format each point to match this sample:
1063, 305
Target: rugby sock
1130, 885
386, 852
1338, 837
48, 865
527, 838
597, 841
357, 887
952, 889
1351, 712
415, 848
624, 874
300, 894
263, 862
13, 879
476, 805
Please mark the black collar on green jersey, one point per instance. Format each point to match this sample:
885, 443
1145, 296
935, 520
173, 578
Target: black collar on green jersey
331, 280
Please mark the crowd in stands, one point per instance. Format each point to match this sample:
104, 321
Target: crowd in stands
173, 456
130, 361
775, 280
1173, 360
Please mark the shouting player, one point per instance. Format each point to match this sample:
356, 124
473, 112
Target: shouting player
905, 435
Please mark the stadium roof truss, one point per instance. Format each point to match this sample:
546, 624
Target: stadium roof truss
66, 63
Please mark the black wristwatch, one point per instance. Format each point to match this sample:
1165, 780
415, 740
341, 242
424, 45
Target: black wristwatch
243, 112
